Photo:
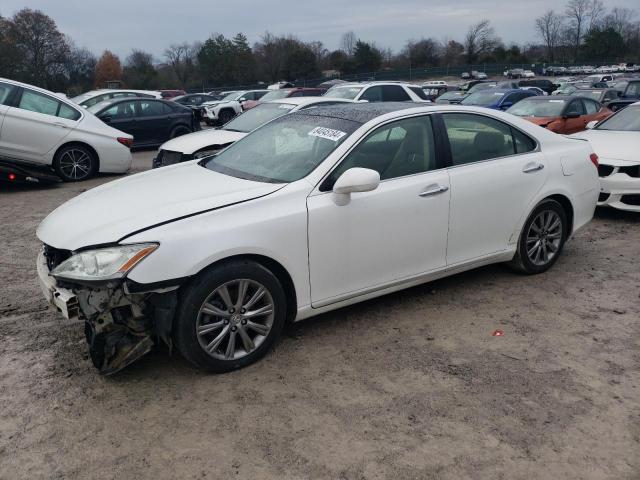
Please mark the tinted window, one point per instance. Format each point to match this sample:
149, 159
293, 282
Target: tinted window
401, 148
575, 108
124, 110
420, 92
151, 109
37, 102
5, 91
474, 138
395, 93
633, 90
258, 95
523, 143
68, 112
372, 94
590, 106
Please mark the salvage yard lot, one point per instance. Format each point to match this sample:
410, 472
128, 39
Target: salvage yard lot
410, 385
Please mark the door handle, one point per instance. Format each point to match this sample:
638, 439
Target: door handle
59, 124
533, 168
433, 190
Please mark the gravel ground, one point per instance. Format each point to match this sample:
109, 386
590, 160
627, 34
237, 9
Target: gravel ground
411, 385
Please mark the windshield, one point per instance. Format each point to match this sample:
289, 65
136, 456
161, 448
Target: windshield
285, 150
232, 96
480, 86
260, 114
626, 120
538, 108
483, 98
344, 92
593, 94
95, 108
275, 95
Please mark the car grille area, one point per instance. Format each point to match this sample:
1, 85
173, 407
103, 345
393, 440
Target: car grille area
631, 200
605, 170
54, 256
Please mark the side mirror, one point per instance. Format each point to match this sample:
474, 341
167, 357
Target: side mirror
592, 124
352, 181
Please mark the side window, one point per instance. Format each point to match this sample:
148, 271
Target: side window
401, 148
633, 89
121, 94
67, 112
395, 93
166, 109
372, 94
258, 95
474, 138
419, 92
523, 143
121, 111
591, 107
151, 109
37, 102
575, 108
5, 91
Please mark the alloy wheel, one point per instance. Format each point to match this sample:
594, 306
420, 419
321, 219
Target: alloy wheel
75, 164
544, 237
235, 319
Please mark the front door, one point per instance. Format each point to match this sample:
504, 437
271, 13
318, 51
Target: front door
153, 122
392, 233
496, 172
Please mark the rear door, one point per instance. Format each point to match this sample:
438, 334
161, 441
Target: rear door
32, 127
496, 172
153, 121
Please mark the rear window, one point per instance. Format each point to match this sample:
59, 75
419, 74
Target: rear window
420, 93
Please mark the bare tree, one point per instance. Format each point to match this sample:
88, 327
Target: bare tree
597, 12
180, 58
577, 12
480, 39
348, 42
549, 27
622, 21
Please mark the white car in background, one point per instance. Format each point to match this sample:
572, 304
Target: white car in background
41, 129
88, 99
528, 74
209, 142
616, 140
313, 211
221, 111
378, 92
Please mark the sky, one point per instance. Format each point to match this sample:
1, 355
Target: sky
152, 25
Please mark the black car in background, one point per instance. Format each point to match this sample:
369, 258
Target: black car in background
629, 92
194, 101
543, 84
600, 95
151, 121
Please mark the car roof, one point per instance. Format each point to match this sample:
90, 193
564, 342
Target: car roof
361, 112
298, 101
375, 82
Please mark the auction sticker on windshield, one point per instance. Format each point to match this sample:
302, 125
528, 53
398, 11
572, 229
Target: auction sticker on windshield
328, 133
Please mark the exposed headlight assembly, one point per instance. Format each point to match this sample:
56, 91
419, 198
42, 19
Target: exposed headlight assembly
103, 264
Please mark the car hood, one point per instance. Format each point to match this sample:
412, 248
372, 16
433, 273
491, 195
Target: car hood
613, 145
188, 144
109, 213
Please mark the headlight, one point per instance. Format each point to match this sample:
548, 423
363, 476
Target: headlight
110, 263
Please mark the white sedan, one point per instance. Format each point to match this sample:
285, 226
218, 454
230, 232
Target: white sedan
616, 140
41, 129
313, 211
211, 141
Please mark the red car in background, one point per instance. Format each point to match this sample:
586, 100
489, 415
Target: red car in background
167, 94
285, 93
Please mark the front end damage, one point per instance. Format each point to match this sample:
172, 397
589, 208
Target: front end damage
123, 321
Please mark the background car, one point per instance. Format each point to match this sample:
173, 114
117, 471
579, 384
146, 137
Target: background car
450, 97
378, 92
432, 92
194, 101
39, 128
496, 98
168, 94
211, 141
88, 99
560, 114
285, 93
311, 212
616, 140
629, 93
149, 120
223, 110
601, 95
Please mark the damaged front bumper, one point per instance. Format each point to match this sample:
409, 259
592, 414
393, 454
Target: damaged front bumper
120, 326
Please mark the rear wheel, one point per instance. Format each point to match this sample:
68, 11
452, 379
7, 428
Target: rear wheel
179, 131
230, 316
75, 163
542, 238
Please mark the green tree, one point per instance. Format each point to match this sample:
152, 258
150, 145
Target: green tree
603, 45
139, 71
366, 58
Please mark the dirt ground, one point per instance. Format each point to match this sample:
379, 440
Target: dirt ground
409, 386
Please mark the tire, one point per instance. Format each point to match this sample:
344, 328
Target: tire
208, 122
225, 116
179, 131
205, 320
75, 163
542, 238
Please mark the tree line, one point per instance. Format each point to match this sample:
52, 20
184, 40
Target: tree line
33, 50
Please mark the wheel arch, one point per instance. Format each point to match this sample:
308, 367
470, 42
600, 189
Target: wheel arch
274, 267
567, 206
78, 143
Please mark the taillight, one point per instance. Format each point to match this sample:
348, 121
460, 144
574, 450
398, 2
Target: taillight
127, 142
12, 176
594, 159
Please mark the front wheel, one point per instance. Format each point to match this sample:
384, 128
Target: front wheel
230, 316
542, 238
